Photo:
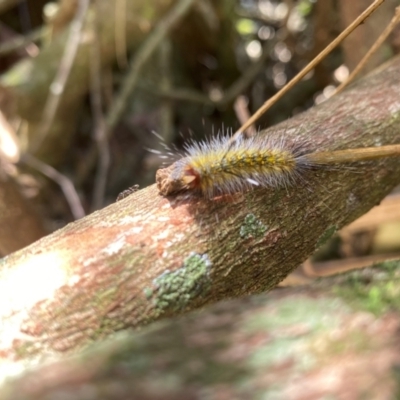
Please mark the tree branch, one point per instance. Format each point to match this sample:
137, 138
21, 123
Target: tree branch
148, 257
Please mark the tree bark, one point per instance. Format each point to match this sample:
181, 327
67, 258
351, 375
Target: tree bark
148, 257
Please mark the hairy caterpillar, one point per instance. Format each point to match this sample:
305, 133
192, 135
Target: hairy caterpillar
221, 166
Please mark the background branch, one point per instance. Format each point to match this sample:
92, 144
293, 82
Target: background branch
243, 340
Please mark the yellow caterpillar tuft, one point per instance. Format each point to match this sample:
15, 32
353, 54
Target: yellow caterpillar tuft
219, 166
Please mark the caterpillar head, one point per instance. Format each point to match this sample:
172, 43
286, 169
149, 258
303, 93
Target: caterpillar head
178, 177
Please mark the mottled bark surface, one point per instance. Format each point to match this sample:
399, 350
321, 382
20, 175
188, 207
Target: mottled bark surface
148, 257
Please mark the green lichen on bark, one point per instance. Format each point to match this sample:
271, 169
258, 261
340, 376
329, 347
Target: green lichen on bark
174, 290
252, 227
